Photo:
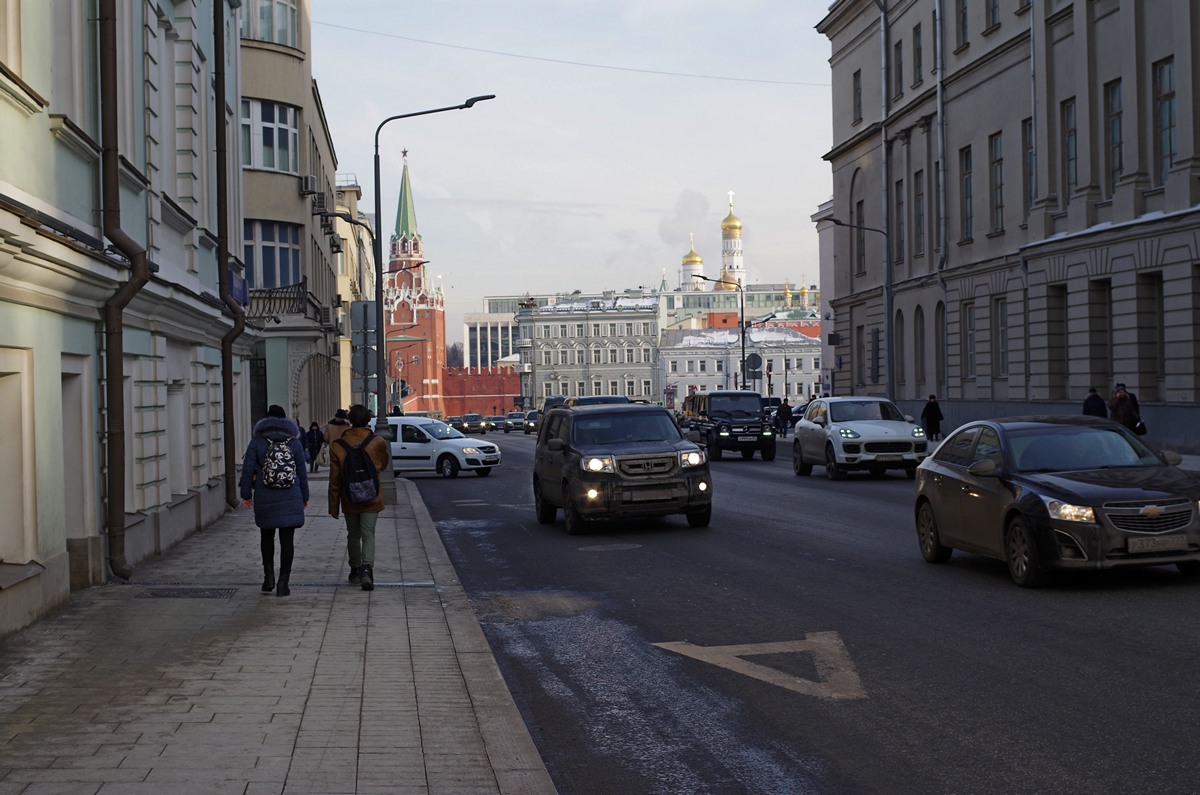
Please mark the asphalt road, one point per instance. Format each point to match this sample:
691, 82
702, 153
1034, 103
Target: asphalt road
801, 645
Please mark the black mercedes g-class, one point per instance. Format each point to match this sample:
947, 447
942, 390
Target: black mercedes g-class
732, 420
617, 461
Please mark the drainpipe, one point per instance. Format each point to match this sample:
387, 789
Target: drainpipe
114, 337
224, 269
886, 109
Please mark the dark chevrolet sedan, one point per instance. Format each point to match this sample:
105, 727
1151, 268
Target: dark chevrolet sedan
1047, 493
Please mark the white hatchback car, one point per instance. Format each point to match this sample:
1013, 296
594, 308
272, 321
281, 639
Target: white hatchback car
848, 433
423, 444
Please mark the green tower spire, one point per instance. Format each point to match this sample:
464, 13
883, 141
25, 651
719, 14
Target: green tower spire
406, 214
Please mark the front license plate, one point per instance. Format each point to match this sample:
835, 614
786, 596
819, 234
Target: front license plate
747, 438
491, 460
889, 458
1158, 543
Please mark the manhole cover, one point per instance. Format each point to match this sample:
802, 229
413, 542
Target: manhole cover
187, 593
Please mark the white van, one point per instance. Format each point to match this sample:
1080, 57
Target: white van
423, 444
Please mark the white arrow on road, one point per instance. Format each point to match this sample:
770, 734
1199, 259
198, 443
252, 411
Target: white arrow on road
838, 679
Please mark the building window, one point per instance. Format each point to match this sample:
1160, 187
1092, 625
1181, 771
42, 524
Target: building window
857, 96
272, 254
10, 35
968, 340
1164, 118
996, 180
860, 252
629, 389
960, 23
703, 365
270, 136
1000, 337
598, 356
993, 13
918, 213
674, 366
898, 69
1100, 329
645, 388
966, 208
1029, 181
1070, 151
1057, 350
917, 77
612, 356
1151, 325
1114, 133
899, 229
860, 355
270, 20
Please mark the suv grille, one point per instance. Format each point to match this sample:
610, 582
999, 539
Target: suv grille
645, 466
1150, 517
888, 447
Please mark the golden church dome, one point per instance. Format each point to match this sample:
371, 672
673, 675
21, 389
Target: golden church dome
726, 283
731, 222
692, 258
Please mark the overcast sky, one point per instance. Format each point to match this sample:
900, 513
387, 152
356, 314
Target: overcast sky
618, 129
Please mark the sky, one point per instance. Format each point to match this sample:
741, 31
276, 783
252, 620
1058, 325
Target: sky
618, 129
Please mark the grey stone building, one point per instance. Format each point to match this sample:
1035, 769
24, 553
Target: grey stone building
1014, 213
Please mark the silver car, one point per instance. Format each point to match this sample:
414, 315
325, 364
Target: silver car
857, 433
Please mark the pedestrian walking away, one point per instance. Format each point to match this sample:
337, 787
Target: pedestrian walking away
1094, 405
275, 483
314, 440
783, 418
1123, 408
356, 450
931, 419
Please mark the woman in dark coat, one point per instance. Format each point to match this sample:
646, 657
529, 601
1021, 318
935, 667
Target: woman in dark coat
275, 508
314, 439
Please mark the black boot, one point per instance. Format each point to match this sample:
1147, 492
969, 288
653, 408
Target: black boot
368, 579
355, 575
268, 578
281, 587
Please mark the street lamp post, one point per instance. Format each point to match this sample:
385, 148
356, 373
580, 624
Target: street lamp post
380, 353
889, 346
741, 318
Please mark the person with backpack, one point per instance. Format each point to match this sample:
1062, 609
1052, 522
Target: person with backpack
356, 458
275, 483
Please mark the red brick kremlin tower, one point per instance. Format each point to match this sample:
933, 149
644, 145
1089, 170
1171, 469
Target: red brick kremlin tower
414, 315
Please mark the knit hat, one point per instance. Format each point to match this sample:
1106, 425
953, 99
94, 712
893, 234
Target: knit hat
341, 414
1120, 388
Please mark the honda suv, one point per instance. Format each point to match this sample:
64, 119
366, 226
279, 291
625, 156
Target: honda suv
617, 461
731, 421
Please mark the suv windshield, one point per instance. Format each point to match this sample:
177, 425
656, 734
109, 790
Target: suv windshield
851, 411
440, 430
735, 406
625, 428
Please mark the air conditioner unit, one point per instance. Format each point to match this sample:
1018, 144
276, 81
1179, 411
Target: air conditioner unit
325, 316
318, 203
308, 185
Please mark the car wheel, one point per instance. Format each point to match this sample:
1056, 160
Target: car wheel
929, 538
801, 467
483, 472
747, 455
700, 518
832, 470
574, 520
545, 511
1189, 568
448, 466
1022, 555
768, 453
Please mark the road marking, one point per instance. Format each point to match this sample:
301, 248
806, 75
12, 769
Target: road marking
839, 681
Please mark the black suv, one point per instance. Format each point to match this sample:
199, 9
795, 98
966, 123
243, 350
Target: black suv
616, 461
731, 421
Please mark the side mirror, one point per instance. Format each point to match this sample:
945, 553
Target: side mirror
818, 420
910, 418
984, 469
555, 445
1171, 458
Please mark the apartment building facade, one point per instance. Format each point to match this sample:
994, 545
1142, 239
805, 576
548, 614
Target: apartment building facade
1014, 213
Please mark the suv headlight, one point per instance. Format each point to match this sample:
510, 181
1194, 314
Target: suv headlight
692, 458
847, 433
918, 432
723, 430
1067, 512
597, 464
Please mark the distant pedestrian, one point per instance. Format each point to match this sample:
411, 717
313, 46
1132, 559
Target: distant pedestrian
336, 426
1094, 405
274, 482
360, 517
396, 412
783, 418
931, 419
1123, 408
314, 440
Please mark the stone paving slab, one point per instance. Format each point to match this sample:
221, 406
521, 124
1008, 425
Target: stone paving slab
188, 679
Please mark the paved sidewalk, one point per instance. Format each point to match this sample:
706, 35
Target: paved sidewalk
190, 680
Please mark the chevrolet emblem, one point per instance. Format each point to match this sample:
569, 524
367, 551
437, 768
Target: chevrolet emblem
1151, 511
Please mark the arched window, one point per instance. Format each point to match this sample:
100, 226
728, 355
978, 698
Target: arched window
939, 345
919, 347
899, 352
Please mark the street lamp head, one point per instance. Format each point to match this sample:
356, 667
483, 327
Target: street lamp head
836, 221
471, 102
